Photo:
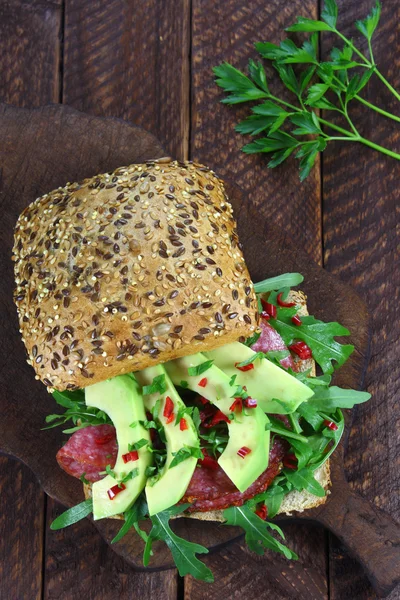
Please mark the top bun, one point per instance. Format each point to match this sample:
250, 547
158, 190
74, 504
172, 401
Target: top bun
129, 269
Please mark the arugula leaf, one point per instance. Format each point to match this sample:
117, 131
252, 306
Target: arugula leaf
305, 480
183, 552
132, 518
76, 411
273, 499
249, 342
310, 415
73, 515
329, 399
158, 385
257, 536
275, 283
319, 336
185, 453
200, 369
276, 426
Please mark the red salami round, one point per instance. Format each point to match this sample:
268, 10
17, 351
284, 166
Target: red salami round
270, 340
88, 451
211, 489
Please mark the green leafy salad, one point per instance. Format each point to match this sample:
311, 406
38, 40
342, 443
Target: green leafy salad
240, 430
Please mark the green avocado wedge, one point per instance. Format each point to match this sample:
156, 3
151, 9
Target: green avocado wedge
246, 430
172, 482
266, 382
121, 399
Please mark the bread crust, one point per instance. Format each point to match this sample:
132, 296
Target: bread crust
129, 269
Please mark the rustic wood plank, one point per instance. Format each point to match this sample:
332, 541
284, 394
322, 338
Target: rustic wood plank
240, 573
131, 60
21, 531
226, 31
29, 63
79, 564
361, 245
29, 52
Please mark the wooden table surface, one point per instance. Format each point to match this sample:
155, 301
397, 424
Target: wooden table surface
149, 62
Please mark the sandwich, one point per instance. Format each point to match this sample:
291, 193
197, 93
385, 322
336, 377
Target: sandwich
184, 388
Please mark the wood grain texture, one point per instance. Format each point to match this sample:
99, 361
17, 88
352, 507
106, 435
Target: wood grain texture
21, 532
29, 66
29, 52
130, 59
226, 31
79, 564
361, 242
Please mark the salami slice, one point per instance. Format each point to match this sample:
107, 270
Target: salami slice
211, 489
271, 340
88, 451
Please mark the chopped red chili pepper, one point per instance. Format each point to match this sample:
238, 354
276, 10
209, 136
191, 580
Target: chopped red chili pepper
133, 455
262, 511
105, 439
296, 320
290, 461
330, 425
168, 407
284, 304
301, 349
243, 451
115, 490
170, 418
269, 308
236, 405
250, 402
245, 367
183, 424
203, 400
208, 461
217, 418
203, 382
265, 315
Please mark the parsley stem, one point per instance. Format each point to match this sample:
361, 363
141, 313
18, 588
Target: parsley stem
336, 127
296, 108
353, 47
377, 147
368, 63
385, 81
377, 109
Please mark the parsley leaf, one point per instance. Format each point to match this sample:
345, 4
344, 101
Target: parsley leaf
257, 536
185, 453
272, 113
199, 369
158, 385
137, 445
183, 552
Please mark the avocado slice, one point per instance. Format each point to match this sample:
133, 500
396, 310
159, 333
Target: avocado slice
172, 483
266, 382
120, 398
246, 430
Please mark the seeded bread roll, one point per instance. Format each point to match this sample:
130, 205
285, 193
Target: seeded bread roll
129, 269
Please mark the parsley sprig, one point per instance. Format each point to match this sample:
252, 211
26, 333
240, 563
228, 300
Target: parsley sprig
330, 85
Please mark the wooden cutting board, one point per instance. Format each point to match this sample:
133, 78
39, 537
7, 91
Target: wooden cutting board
42, 149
